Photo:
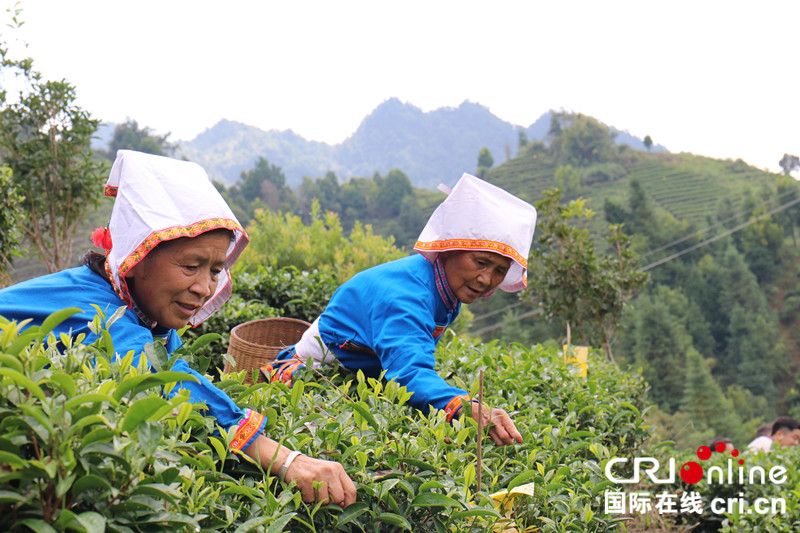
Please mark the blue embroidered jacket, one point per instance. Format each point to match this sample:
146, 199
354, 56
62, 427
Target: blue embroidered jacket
391, 317
80, 287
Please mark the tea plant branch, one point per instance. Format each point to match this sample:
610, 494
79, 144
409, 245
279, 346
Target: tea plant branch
332, 384
480, 429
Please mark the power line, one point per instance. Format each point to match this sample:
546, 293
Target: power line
497, 311
500, 324
660, 261
651, 265
721, 235
713, 226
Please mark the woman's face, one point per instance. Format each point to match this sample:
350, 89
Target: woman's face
472, 274
175, 280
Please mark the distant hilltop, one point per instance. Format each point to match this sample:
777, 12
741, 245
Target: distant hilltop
430, 148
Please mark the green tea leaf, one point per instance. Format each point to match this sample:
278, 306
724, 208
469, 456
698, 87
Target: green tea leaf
393, 519
352, 512
23, 382
363, 410
91, 397
140, 411
434, 499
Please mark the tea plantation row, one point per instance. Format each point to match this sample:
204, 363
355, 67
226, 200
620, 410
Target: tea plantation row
91, 444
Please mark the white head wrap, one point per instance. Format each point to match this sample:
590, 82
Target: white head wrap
159, 199
477, 215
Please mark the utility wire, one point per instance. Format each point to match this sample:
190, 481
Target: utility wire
654, 264
713, 226
721, 235
500, 324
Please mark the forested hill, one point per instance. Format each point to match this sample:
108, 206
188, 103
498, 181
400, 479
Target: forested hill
429, 147
714, 332
688, 187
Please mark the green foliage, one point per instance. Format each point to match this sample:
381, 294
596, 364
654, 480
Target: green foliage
392, 190
573, 282
90, 444
267, 292
10, 213
584, 140
657, 343
485, 162
45, 140
263, 186
129, 136
568, 180
418, 473
705, 403
86, 445
283, 240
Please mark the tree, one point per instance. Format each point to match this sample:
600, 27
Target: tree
523, 140
485, 162
391, 191
648, 142
45, 139
568, 180
585, 141
263, 185
129, 136
573, 282
705, 402
660, 343
788, 163
10, 213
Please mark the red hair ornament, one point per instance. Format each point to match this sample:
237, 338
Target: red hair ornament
101, 238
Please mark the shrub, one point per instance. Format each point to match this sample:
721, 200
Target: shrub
283, 240
267, 292
91, 444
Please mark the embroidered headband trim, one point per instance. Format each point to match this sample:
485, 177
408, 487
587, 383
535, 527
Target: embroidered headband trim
156, 238
472, 244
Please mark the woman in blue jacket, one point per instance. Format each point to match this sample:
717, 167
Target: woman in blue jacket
170, 243
391, 317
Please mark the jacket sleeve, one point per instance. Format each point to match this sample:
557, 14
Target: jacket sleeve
246, 424
404, 343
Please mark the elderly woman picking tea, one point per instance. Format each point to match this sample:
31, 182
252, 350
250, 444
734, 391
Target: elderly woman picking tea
170, 243
391, 317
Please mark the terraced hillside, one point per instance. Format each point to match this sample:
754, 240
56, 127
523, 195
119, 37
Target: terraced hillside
687, 186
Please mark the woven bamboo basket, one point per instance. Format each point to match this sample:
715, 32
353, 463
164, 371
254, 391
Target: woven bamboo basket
258, 342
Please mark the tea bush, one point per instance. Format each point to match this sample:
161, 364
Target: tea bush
280, 240
267, 292
90, 444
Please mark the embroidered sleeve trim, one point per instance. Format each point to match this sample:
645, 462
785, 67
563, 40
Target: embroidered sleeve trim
111, 191
250, 425
282, 371
454, 406
472, 244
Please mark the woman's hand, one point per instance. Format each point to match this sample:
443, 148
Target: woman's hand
501, 427
335, 486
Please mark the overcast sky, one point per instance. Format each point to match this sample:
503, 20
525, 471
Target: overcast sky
713, 78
